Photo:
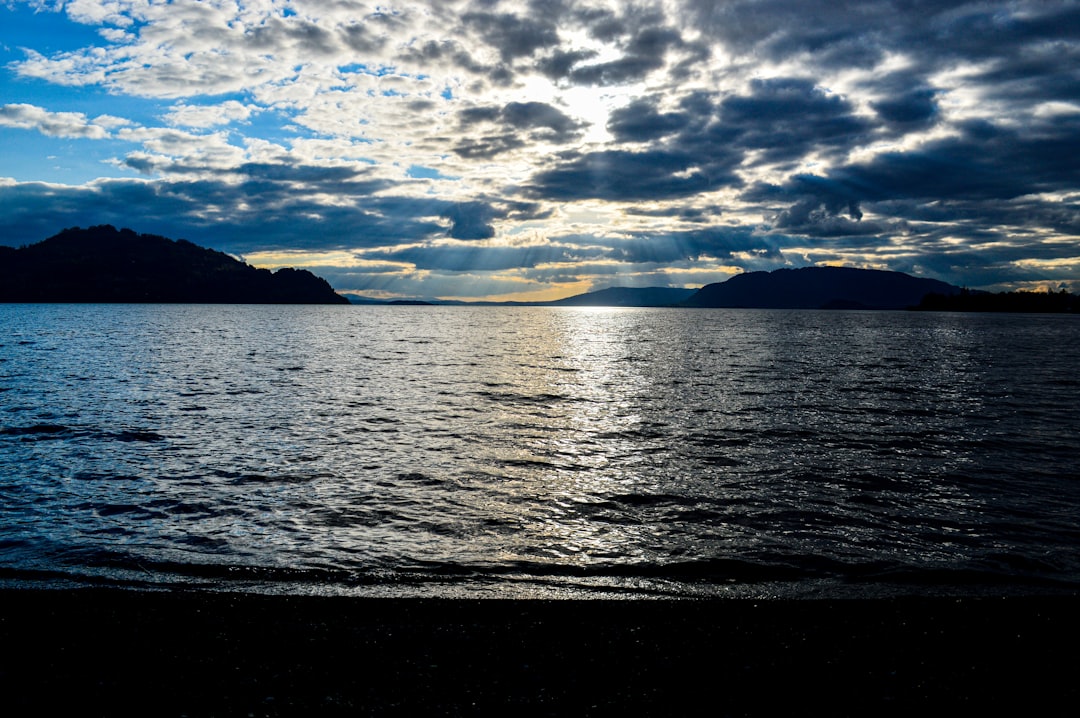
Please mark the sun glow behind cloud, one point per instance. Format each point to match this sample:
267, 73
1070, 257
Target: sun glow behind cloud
481, 149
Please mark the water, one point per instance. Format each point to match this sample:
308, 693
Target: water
538, 452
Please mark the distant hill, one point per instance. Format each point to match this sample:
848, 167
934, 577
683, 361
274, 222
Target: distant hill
820, 288
105, 264
627, 297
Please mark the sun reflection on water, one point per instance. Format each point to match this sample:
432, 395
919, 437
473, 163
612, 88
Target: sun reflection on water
587, 443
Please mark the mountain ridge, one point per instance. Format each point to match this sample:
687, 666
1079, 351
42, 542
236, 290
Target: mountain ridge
102, 264
820, 288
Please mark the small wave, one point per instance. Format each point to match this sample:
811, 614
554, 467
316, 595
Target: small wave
60, 431
416, 477
129, 511
96, 476
543, 399
240, 479
381, 420
35, 430
137, 435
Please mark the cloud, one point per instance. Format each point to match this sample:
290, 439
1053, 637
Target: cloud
789, 117
612, 137
983, 162
519, 123
511, 35
641, 121
206, 116
470, 220
232, 216
620, 175
54, 124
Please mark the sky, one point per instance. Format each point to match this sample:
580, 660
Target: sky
538, 149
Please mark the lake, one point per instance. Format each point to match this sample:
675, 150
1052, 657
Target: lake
539, 452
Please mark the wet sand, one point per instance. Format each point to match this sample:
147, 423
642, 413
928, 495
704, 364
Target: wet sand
106, 652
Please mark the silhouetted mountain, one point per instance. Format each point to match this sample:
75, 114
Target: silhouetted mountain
104, 264
820, 288
1034, 302
627, 297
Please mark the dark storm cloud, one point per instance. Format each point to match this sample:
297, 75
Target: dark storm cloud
443, 52
539, 115
818, 219
906, 100
841, 34
275, 33
275, 178
682, 212
488, 146
524, 116
812, 200
622, 176
301, 173
698, 147
603, 24
241, 216
715, 242
780, 120
521, 123
466, 258
787, 118
640, 121
359, 37
512, 35
640, 33
470, 220
969, 208
560, 63
643, 53
984, 162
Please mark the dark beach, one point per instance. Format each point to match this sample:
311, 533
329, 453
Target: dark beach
113, 652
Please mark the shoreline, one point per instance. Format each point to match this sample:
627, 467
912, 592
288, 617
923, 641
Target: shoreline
118, 652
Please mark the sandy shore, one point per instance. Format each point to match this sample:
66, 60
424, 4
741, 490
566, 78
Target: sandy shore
101, 652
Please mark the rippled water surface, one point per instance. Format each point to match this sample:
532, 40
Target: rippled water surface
539, 451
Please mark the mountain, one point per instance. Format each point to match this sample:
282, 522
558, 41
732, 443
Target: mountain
820, 288
627, 297
104, 264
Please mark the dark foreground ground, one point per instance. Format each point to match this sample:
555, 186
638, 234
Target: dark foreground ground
99, 652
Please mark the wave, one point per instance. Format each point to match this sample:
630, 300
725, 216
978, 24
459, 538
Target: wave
39, 432
793, 577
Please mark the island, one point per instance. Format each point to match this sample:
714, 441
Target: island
820, 288
104, 264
